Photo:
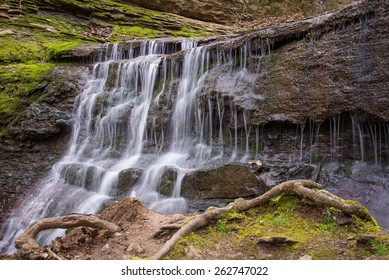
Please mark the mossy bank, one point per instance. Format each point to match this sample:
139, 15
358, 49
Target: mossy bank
286, 227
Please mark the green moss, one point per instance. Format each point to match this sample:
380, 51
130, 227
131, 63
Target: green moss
191, 239
135, 31
365, 226
351, 202
14, 50
380, 248
138, 259
146, 18
18, 88
311, 227
34, 48
189, 32
56, 47
285, 203
327, 225
222, 227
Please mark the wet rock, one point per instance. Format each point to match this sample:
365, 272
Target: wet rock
228, 181
282, 172
202, 205
318, 68
22, 166
51, 115
91, 177
364, 182
84, 53
167, 182
42, 121
82, 175
126, 180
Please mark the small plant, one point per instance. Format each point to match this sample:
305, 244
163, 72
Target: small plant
380, 248
327, 225
222, 227
289, 204
280, 220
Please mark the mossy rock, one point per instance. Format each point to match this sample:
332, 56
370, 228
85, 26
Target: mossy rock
312, 229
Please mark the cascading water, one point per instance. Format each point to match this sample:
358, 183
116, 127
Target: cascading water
112, 129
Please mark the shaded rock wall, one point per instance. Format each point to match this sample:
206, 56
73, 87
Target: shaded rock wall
39, 136
326, 73
231, 11
52, 113
314, 69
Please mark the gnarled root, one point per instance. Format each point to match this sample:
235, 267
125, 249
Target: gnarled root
168, 229
303, 188
27, 240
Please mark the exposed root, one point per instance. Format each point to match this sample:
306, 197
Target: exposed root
54, 255
27, 240
168, 229
303, 188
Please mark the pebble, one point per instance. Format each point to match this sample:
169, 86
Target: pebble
306, 258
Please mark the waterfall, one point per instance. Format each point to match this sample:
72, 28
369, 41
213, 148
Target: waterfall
108, 136
115, 125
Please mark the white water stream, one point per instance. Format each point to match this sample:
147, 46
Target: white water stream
110, 133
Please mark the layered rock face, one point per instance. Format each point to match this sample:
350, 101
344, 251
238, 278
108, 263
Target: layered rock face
316, 68
232, 11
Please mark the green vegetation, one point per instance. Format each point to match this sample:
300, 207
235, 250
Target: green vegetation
135, 31
311, 230
19, 87
380, 248
33, 51
190, 32
327, 225
222, 227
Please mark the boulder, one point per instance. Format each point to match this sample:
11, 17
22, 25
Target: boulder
167, 182
82, 175
126, 180
228, 181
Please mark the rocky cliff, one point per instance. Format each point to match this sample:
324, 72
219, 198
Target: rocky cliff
315, 69
231, 11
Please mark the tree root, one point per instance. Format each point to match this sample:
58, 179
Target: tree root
27, 240
54, 255
168, 229
303, 188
